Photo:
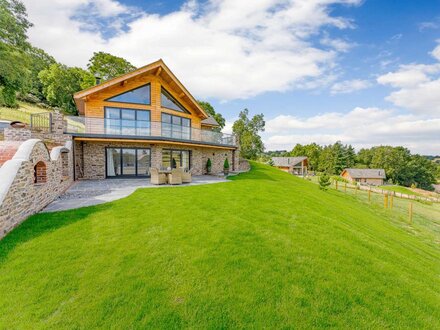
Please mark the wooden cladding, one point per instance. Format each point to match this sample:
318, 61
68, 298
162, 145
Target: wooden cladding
95, 103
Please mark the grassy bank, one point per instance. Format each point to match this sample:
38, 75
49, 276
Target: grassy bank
265, 250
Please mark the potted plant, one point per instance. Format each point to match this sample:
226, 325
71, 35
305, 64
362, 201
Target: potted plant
226, 167
208, 166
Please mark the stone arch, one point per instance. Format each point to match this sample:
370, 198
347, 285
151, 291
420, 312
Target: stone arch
40, 172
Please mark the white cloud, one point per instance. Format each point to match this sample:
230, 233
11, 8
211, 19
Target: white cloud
361, 127
418, 86
225, 49
349, 86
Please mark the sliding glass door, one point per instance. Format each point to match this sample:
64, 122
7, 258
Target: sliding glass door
130, 162
176, 158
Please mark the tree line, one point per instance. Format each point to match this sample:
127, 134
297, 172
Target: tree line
400, 165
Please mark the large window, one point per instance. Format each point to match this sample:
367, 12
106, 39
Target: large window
127, 162
176, 158
168, 101
123, 121
140, 95
176, 127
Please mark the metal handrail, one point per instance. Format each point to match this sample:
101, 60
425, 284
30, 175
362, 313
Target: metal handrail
143, 128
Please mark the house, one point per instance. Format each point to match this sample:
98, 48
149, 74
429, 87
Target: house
293, 165
370, 176
142, 119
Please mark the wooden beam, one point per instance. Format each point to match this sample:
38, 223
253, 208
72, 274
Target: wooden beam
181, 94
123, 82
159, 70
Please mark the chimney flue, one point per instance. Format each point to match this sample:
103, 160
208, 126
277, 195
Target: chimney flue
97, 80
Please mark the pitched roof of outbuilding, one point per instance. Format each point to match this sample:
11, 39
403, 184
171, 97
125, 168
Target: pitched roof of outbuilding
210, 121
366, 173
287, 161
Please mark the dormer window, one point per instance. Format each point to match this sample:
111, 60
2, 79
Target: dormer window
169, 102
139, 95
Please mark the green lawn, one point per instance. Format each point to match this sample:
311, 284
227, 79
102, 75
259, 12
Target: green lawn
400, 189
22, 113
265, 250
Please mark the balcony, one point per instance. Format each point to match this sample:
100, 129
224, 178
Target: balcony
146, 130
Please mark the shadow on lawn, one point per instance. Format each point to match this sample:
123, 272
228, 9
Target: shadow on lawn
42, 223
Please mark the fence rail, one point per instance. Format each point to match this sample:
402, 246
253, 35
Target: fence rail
41, 121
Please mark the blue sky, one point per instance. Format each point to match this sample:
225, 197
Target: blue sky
364, 72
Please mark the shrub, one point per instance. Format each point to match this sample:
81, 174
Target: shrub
208, 165
226, 164
324, 181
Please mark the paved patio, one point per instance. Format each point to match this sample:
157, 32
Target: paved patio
93, 192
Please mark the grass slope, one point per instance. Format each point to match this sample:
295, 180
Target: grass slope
265, 250
22, 113
400, 189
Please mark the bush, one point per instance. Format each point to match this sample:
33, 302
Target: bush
226, 164
338, 178
208, 165
324, 181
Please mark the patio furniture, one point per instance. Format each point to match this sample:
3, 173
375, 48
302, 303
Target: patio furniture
156, 177
186, 176
175, 177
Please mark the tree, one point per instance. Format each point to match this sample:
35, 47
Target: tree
39, 61
107, 66
324, 181
247, 131
211, 111
61, 82
311, 151
14, 23
14, 73
14, 63
422, 172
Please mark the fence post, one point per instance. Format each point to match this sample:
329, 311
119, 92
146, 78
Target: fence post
336, 183
345, 187
385, 201
369, 195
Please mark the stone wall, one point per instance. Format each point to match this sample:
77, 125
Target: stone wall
90, 157
20, 196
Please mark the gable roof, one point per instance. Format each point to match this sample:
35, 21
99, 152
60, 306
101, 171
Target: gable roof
159, 68
365, 173
210, 121
287, 161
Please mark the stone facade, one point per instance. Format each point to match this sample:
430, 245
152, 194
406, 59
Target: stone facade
21, 193
90, 157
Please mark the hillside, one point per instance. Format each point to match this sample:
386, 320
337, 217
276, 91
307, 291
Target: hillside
264, 250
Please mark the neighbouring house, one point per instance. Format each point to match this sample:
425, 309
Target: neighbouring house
142, 119
370, 176
292, 165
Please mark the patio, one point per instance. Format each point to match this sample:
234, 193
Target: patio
93, 192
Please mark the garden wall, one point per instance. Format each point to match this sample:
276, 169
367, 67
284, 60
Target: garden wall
32, 179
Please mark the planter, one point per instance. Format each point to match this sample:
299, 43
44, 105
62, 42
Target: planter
226, 171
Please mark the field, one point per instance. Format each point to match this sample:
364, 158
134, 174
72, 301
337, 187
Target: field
22, 113
264, 250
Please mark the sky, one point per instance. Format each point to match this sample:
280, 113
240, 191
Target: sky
362, 72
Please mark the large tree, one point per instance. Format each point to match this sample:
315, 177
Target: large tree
247, 130
61, 82
14, 63
311, 151
211, 111
14, 23
107, 66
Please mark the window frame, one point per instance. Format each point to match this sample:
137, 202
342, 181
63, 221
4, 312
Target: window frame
179, 105
172, 136
181, 158
121, 162
120, 119
149, 97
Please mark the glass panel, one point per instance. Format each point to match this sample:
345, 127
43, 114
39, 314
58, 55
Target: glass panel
167, 101
143, 162
186, 122
140, 95
128, 114
175, 159
186, 133
185, 159
128, 161
166, 125
143, 115
113, 162
166, 159
112, 113
128, 127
